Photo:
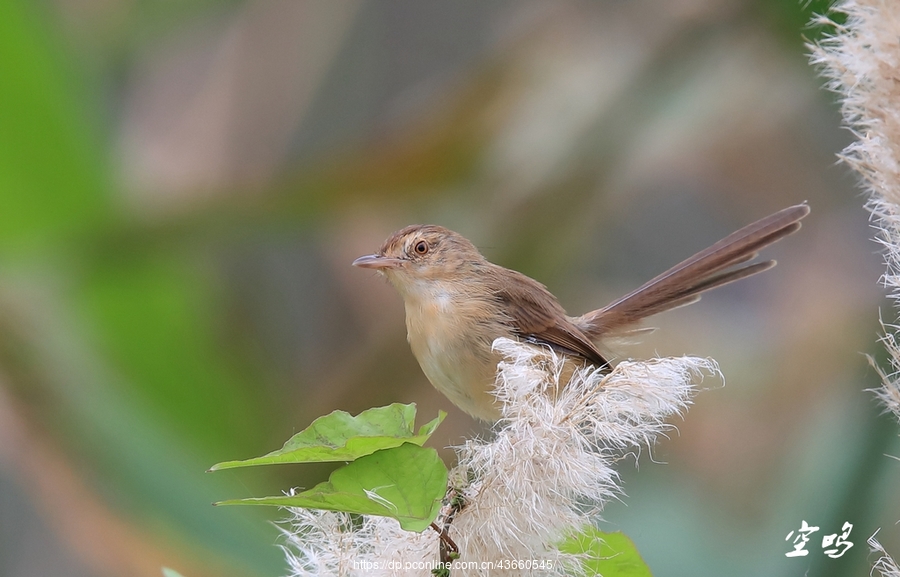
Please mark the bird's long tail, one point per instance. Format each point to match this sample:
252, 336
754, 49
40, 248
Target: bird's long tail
708, 269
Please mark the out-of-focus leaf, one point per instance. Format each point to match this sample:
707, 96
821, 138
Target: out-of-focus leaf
170, 572
607, 554
340, 436
405, 482
52, 171
791, 20
155, 314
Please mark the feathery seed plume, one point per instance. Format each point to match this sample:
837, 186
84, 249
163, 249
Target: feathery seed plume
545, 474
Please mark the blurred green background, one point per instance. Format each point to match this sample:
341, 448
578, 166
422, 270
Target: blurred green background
184, 184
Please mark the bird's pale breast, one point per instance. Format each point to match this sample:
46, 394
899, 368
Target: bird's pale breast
450, 335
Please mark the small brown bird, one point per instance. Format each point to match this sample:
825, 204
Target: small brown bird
457, 302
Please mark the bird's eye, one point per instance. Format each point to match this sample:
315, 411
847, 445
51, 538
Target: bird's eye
421, 247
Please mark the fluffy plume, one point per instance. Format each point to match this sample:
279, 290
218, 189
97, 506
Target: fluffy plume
330, 544
861, 60
886, 566
547, 471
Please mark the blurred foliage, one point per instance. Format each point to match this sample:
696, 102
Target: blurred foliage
789, 17
155, 315
53, 167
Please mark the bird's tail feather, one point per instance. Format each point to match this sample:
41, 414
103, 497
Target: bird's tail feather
682, 284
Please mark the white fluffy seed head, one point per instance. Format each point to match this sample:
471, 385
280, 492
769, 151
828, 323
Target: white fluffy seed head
860, 59
885, 565
332, 544
547, 471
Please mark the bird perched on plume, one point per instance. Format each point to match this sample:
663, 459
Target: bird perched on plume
457, 302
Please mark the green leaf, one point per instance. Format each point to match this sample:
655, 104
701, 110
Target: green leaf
170, 572
340, 436
607, 554
405, 482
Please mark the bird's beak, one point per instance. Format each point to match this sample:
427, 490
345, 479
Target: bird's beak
377, 262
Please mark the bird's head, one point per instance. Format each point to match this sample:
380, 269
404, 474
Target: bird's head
422, 254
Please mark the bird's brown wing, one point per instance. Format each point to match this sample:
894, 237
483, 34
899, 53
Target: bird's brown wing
708, 269
536, 316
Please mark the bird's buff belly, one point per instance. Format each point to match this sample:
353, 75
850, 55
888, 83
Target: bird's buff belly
461, 368
465, 379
